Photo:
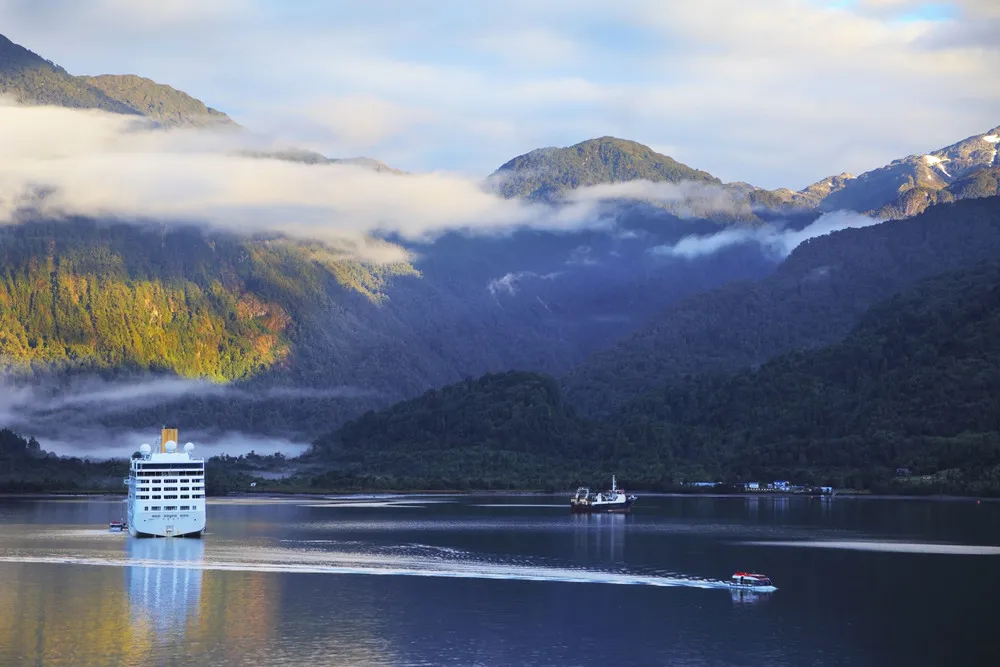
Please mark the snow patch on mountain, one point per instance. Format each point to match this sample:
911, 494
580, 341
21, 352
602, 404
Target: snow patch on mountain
934, 161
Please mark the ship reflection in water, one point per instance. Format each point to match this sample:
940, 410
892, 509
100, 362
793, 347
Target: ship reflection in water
599, 536
164, 586
742, 597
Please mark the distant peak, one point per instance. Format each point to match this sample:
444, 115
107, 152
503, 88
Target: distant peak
549, 172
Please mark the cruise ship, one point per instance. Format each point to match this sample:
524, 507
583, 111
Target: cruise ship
166, 490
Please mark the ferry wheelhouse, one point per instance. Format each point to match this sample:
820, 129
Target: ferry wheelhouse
166, 490
752, 581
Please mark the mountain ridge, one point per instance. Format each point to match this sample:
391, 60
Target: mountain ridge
547, 173
901, 188
812, 298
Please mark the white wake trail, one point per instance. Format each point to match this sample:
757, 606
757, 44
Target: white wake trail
415, 568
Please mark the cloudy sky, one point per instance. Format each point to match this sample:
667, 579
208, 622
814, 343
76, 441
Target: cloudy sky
775, 92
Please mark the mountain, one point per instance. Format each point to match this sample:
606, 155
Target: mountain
547, 173
813, 298
164, 103
907, 186
903, 188
900, 189
911, 386
30, 79
306, 335
924, 174
286, 337
493, 432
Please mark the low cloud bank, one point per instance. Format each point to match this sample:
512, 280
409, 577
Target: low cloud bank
67, 417
777, 240
96, 443
58, 162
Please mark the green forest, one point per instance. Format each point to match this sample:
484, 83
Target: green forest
89, 295
814, 298
548, 172
27, 468
913, 386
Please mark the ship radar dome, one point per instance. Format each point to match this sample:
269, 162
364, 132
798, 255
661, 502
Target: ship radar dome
189, 447
171, 446
145, 449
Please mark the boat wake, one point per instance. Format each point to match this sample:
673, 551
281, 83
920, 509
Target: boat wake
319, 562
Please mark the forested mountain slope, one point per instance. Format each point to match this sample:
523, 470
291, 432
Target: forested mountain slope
814, 298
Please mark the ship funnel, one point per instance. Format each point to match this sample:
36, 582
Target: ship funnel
167, 435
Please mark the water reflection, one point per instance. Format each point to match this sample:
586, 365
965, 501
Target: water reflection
599, 536
54, 616
743, 597
769, 506
164, 598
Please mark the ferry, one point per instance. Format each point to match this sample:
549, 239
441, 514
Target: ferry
614, 500
752, 581
166, 490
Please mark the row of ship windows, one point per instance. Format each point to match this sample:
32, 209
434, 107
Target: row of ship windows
172, 497
170, 473
167, 508
173, 488
167, 481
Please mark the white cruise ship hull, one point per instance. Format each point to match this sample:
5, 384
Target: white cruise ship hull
173, 524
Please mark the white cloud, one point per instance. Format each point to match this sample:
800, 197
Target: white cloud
105, 165
65, 417
532, 46
778, 240
361, 122
778, 93
508, 283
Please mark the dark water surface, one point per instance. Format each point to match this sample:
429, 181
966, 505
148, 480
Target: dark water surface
505, 580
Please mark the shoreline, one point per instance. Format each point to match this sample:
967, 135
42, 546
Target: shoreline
277, 495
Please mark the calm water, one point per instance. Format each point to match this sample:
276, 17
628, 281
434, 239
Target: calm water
494, 580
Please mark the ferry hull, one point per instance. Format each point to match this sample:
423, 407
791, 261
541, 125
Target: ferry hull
753, 588
602, 508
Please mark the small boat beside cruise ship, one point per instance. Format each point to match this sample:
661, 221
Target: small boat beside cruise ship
752, 581
166, 490
615, 500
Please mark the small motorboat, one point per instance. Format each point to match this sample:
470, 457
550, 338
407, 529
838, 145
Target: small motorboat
116, 526
752, 581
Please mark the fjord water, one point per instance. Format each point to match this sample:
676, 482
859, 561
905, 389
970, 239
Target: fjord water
504, 580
